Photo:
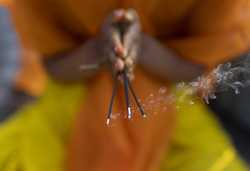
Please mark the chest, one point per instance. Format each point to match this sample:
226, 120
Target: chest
158, 17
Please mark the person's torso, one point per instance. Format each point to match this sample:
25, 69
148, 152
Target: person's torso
160, 17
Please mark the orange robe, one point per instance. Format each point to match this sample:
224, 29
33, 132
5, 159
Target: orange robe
206, 32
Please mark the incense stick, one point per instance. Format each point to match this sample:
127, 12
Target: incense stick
136, 100
126, 91
112, 100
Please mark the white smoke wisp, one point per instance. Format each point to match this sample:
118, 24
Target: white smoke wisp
232, 75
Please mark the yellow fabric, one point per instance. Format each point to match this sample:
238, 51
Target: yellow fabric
35, 139
199, 142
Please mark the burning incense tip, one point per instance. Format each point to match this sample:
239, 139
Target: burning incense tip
129, 113
108, 121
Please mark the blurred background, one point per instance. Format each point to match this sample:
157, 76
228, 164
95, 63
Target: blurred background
24, 89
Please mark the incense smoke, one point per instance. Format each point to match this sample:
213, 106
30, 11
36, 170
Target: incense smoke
232, 75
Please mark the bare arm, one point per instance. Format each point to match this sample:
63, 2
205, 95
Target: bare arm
164, 63
76, 65
150, 54
153, 57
